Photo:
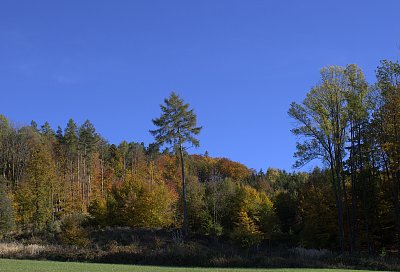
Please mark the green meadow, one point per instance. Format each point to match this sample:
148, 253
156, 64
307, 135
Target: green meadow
7, 265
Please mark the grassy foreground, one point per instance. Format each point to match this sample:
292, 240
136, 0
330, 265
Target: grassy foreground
47, 266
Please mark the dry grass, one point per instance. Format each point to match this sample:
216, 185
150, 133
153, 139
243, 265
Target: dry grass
17, 249
310, 253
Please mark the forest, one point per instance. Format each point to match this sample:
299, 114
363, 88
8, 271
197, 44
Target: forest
59, 183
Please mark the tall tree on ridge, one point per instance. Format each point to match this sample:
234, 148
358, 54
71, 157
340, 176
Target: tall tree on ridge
387, 118
177, 125
358, 108
322, 120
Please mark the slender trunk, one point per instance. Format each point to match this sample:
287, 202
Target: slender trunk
53, 209
364, 190
215, 202
396, 204
151, 174
338, 208
13, 168
84, 186
337, 145
341, 183
353, 214
89, 190
102, 177
132, 166
351, 222
394, 196
366, 217
396, 180
185, 223
336, 189
79, 181
37, 211
71, 177
397, 212
347, 210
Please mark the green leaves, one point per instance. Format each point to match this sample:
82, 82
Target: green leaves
323, 117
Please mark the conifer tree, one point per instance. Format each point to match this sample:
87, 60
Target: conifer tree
177, 126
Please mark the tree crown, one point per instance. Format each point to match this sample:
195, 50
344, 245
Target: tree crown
177, 124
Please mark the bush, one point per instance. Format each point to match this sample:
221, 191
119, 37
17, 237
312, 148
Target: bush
72, 231
246, 233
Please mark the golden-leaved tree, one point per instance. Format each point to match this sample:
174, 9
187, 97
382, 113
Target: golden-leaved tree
253, 217
34, 196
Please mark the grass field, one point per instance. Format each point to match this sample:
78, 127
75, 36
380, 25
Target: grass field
47, 266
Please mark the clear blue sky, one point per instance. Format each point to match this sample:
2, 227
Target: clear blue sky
238, 63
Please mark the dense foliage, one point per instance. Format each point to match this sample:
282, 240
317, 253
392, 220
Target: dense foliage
351, 204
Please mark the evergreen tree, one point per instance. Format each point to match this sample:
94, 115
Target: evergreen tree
46, 130
86, 145
71, 138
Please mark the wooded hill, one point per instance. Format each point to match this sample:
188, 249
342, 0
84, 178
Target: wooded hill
51, 178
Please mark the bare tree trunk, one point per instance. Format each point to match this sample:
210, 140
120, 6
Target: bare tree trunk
89, 190
102, 177
79, 181
338, 195
52, 204
366, 217
339, 210
132, 165
71, 177
353, 189
396, 204
347, 211
364, 190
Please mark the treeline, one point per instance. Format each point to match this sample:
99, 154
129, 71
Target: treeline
354, 128
47, 175
352, 204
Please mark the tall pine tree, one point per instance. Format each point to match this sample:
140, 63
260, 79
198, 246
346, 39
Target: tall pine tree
177, 126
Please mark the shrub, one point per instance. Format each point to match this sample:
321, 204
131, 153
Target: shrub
246, 233
72, 231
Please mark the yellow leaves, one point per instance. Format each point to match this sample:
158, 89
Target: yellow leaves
247, 224
246, 232
144, 203
252, 200
34, 195
254, 217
